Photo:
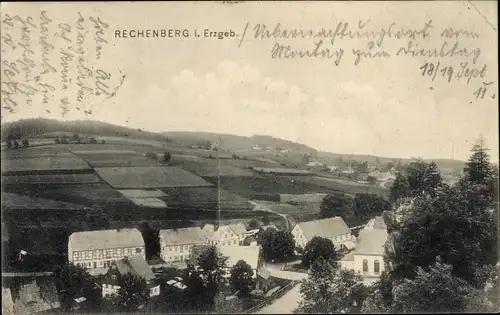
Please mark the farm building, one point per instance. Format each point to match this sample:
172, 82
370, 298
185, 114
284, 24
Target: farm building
98, 249
176, 244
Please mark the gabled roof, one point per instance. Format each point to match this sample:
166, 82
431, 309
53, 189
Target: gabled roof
263, 273
371, 242
249, 254
190, 235
135, 265
238, 228
376, 223
100, 239
327, 228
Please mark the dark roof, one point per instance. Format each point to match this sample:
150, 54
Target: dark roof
135, 265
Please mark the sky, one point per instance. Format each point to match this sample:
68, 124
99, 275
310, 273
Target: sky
382, 106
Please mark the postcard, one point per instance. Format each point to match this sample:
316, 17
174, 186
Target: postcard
249, 156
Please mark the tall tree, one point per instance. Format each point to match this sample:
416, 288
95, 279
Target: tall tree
206, 268
369, 205
400, 187
277, 245
331, 290
241, 278
478, 168
319, 248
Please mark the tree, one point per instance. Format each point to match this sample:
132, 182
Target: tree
167, 157
437, 290
329, 289
445, 225
254, 224
93, 140
8, 144
372, 180
206, 268
319, 248
241, 278
15, 144
96, 217
336, 205
132, 294
379, 299
478, 169
26, 143
57, 141
73, 282
151, 239
369, 205
277, 245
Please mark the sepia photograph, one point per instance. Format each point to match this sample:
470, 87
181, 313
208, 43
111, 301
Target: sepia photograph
249, 157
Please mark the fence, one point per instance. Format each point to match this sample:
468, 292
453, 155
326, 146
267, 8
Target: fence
275, 296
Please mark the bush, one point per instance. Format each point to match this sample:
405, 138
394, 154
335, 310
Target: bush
26, 143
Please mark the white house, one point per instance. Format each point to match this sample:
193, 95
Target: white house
334, 229
368, 257
136, 266
98, 249
225, 235
249, 254
176, 244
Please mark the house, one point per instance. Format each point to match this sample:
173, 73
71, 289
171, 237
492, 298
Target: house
98, 249
30, 296
368, 257
249, 254
263, 279
376, 223
135, 265
334, 229
176, 244
231, 234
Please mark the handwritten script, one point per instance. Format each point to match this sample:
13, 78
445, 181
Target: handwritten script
49, 61
448, 51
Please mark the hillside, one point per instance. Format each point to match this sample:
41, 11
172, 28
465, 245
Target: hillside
236, 143
331, 158
49, 128
40, 127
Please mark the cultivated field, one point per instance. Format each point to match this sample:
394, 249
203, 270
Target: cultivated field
110, 159
209, 198
149, 177
47, 163
259, 185
54, 179
210, 167
340, 185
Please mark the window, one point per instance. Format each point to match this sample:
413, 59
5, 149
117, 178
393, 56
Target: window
138, 250
365, 265
376, 266
169, 248
176, 248
119, 252
95, 265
